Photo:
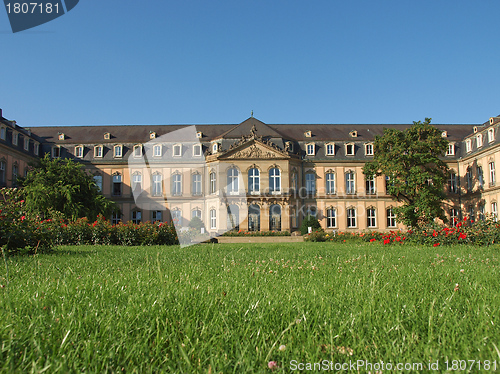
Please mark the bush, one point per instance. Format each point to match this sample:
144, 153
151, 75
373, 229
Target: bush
256, 233
309, 221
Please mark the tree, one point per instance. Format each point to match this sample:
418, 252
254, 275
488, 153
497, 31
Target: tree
55, 185
310, 221
412, 161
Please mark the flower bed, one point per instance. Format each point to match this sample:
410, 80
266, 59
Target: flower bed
256, 233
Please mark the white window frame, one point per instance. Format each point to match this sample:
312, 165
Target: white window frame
136, 180
331, 218
177, 185
232, 181
156, 216
491, 135
213, 219
480, 176
351, 217
136, 216
36, 150
494, 210
157, 185
275, 180
213, 182
254, 181
452, 183
157, 150
453, 216
310, 149
56, 151
330, 149
177, 150
15, 138
451, 149
350, 149
369, 149
468, 145
196, 184
370, 185
491, 166
197, 150
98, 151
468, 179
310, 183
330, 183
350, 183
479, 140
215, 148
26, 144
79, 151
371, 217
118, 151
391, 217
138, 150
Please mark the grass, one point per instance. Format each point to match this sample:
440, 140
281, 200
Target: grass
228, 308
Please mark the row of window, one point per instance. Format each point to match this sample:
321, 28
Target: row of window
15, 173
157, 150
15, 141
469, 180
470, 213
350, 149
479, 140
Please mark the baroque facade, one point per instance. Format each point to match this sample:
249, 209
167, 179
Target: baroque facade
252, 175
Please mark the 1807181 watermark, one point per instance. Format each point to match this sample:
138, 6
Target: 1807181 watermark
25, 15
381, 366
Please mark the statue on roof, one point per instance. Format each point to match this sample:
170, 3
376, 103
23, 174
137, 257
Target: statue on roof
253, 131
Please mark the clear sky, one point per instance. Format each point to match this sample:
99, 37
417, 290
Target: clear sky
203, 62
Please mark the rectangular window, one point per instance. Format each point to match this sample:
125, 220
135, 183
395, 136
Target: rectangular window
3, 132
330, 149
492, 173
79, 151
370, 185
156, 216
468, 179
331, 218
310, 149
118, 151
479, 140
494, 211
491, 135
480, 178
177, 150
453, 216
196, 184
391, 218
351, 217
349, 149
371, 218
451, 150
293, 213
137, 150
2, 173
98, 182
116, 218
197, 150
98, 151
136, 216
15, 173
137, 184
15, 138
330, 183
56, 152
350, 186
157, 185
310, 184
26, 144
468, 145
213, 183
452, 183
37, 149
369, 149
157, 150
177, 185
213, 219
117, 185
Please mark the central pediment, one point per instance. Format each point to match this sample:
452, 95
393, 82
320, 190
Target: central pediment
254, 149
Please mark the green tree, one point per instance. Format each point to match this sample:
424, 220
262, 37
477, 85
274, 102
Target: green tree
412, 161
55, 185
310, 221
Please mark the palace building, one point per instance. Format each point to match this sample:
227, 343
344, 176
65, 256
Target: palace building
253, 175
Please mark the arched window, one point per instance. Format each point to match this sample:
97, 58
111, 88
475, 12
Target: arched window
233, 213
253, 180
213, 182
274, 180
275, 217
254, 217
232, 181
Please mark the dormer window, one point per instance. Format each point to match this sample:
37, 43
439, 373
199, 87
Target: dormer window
197, 150
177, 150
491, 120
199, 134
479, 140
118, 151
330, 149
3, 132
491, 135
444, 134
369, 149
451, 150
61, 136
468, 145
98, 151
474, 129
36, 150
15, 138
79, 151
310, 149
157, 150
152, 135
138, 150
215, 148
308, 134
289, 146
349, 149
107, 136
56, 152
353, 134
26, 144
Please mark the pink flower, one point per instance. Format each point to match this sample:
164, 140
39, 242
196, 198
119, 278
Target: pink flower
273, 365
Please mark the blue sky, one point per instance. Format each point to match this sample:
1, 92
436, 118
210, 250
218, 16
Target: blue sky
203, 62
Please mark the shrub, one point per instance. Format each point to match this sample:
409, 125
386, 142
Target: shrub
309, 221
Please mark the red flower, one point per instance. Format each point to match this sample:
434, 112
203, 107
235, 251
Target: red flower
462, 236
434, 233
373, 240
387, 241
23, 218
398, 238
436, 244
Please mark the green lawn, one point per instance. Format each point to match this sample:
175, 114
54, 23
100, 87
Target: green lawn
228, 308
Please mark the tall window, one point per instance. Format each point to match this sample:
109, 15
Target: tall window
491, 135
310, 149
196, 213
494, 210
471, 214
254, 180
350, 186
232, 181
369, 149
56, 152
479, 140
157, 185
98, 182
274, 180
330, 149
454, 216
157, 151
156, 216
370, 185
2, 173
116, 218
15, 138
3, 133
451, 150
117, 185
391, 218
468, 179
213, 182
213, 219
310, 183
177, 185
79, 151
349, 149
197, 150
480, 177
118, 151
481, 212
294, 215
330, 183
136, 216
371, 217
15, 174
388, 184
452, 183
468, 145
176, 216
351, 217
137, 183
331, 218
37, 149
137, 150
26, 144
295, 181
196, 184
492, 173
177, 150
98, 151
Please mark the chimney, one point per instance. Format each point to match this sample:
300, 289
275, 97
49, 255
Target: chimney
0, 113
